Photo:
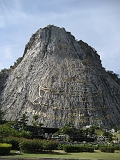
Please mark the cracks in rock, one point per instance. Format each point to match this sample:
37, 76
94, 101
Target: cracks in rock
75, 49
48, 40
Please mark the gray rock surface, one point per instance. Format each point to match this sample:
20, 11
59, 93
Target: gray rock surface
61, 80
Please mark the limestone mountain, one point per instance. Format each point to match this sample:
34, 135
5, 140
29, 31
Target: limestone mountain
62, 81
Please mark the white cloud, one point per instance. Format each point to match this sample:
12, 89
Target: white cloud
12, 13
96, 23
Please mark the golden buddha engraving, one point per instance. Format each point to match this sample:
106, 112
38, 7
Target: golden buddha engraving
70, 93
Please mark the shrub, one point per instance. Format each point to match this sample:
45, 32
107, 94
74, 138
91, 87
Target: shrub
96, 147
1, 139
14, 141
6, 131
108, 135
110, 149
78, 148
105, 148
89, 148
36, 145
50, 144
117, 146
5, 148
60, 147
25, 134
71, 148
30, 146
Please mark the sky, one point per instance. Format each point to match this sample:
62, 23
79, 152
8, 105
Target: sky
96, 22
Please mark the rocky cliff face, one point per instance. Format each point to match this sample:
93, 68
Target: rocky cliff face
61, 80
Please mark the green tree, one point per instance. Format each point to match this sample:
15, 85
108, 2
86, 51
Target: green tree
37, 124
23, 121
35, 120
1, 116
108, 135
69, 130
91, 130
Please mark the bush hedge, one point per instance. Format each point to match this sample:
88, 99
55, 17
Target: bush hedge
37, 145
49, 144
6, 131
14, 141
5, 148
60, 147
117, 146
30, 146
1, 140
109, 149
78, 148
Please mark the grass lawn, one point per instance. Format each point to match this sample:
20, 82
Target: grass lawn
61, 154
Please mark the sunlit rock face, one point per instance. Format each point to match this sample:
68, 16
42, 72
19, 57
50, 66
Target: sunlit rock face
61, 80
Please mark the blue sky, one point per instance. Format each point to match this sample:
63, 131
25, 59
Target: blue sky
96, 22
